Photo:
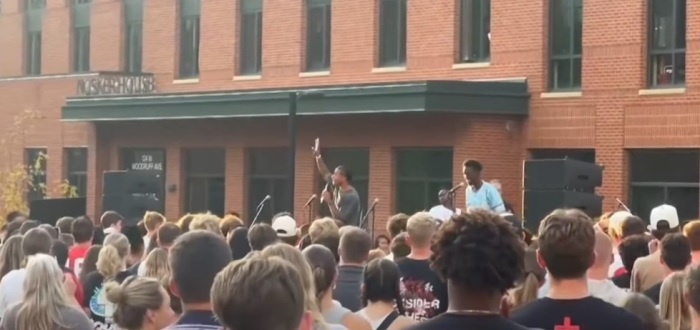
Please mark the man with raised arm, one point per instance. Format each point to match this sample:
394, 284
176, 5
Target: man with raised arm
340, 196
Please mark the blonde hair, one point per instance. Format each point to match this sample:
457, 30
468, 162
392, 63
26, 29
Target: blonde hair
11, 255
672, 307
112, 257
229, 223
44, 296
375, 254
206, 221
294, 256
184, 222
323, 227
156, 265
420, 228
151, 220
133, 298
641, 306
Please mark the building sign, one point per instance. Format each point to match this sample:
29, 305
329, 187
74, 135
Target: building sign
145, 160
110, 84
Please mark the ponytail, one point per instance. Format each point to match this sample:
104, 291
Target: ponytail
399, 303
526, 292
109, 263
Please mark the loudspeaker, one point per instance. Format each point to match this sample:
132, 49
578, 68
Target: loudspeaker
539, 203
562, 174
50, 210
132, 207
114, 182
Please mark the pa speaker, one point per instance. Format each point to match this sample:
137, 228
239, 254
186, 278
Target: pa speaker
562, 174
50, 210
539, 203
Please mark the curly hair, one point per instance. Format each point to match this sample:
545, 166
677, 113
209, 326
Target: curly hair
478, 250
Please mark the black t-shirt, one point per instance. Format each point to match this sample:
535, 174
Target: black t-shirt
577, 314
654, 293
450, 321
199, 320
423, 293
622, 281
95, 300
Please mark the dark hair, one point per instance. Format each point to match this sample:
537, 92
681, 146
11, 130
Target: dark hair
110, 218
261, 235
632, 248
90, 262
82, 229
167, 233
354, 245
479, 251
305, 241
399, 248
60, 251
238, 242
396, 224
12, 229
133, 234
53, 232
382, 282
675, 251
27, 225
662, 229
141, 226
64, 225
473, 164
67, 239
330, 241
10, 217
380, 237
323, 267
566, 242
195, 259
36, 241
98, 236
633, 226
346, 173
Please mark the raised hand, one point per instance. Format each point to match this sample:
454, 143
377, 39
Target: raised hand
317, 148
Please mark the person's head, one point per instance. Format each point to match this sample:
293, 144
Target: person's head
238, 242
396, 224
141, 303
156, 265
444, 197
472, 171
603, 251
382, 242
672, 307
36, 241
135, 237
323, 227
691, 230
323, 268
691, 289
675, 252
64, 225
141, 227
229, 223
632, 248
420, 229
12, 229
53, 231
526, 286
82, 230
382, 283
15, 216
341, 176
167, 233
286, 228
11, 255
332, 242
113, 256
375, 254
152, 220
195, 259
566, 242
59, 250
261, 235
67, 238
399, 246
206, 221
44, 296
615, 223
633, 226
90, 262
184, 222
354, 246
645, 309
28, 225
244, 293
111, 219
663, 220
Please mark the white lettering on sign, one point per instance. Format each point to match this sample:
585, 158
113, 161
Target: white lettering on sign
147, 167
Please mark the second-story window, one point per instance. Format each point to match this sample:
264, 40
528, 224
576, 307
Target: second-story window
318, 35
667, 37
81, 35
133, 36
189, 38
392, 33
33, 28
475, 24
250, 37
565, 33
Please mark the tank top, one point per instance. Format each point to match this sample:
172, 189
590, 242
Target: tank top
336, 314
374, 323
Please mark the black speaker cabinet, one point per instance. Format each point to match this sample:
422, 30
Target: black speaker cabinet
562, 174
50, 210
539, 203
133, 182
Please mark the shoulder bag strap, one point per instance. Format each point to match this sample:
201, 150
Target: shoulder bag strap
388, 321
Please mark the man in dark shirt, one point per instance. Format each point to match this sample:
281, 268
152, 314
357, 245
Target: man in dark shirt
631, 248
567, 250
344, 201
195, 259
354, 247
675, 257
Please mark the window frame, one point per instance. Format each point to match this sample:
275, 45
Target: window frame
133, 36
401, 40
571, 57
189, 70
33, 53
467, 45
81, 176
81, 49
425, 180
255, 9
274, 205
673, 51
208, 178
324, 63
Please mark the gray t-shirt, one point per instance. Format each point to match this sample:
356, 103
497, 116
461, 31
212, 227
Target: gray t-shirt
348, 287
71, 319
348, 202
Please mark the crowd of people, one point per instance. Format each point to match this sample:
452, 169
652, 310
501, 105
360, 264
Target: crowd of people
476, 270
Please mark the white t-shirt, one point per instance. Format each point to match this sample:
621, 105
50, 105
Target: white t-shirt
442, 213
11, 289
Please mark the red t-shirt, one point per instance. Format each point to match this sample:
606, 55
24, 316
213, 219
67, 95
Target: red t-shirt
76, 256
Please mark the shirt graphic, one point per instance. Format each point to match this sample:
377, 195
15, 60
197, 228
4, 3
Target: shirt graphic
102, 309
419, 299
567, 325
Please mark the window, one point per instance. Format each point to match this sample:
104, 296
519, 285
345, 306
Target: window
475, 24
133, 50
189, 38
36, 168
33, 53
205, 184
138, 159
267, 175
33, 25
565, 31
420, 174
81, 35
660, 176
392, 33
76, 169
318, 35
355, 160
667, 28
250, 52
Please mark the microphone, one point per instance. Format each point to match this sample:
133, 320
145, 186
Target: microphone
311, 199
460, 185
259, 209
621, 204
267, 198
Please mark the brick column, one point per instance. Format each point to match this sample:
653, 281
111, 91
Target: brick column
305, 175
56, 53
12, 38
236, 185
106, 35
381, 184
610, 153
173, 175
98, 162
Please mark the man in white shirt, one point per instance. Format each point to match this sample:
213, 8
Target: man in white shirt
445, 209
479, 193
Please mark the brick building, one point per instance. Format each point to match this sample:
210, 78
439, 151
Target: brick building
401, 91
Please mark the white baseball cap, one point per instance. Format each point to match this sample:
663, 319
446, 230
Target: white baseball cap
285, 226
666, 213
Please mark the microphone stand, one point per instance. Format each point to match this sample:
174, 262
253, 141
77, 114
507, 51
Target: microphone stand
259, 209
363, 221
